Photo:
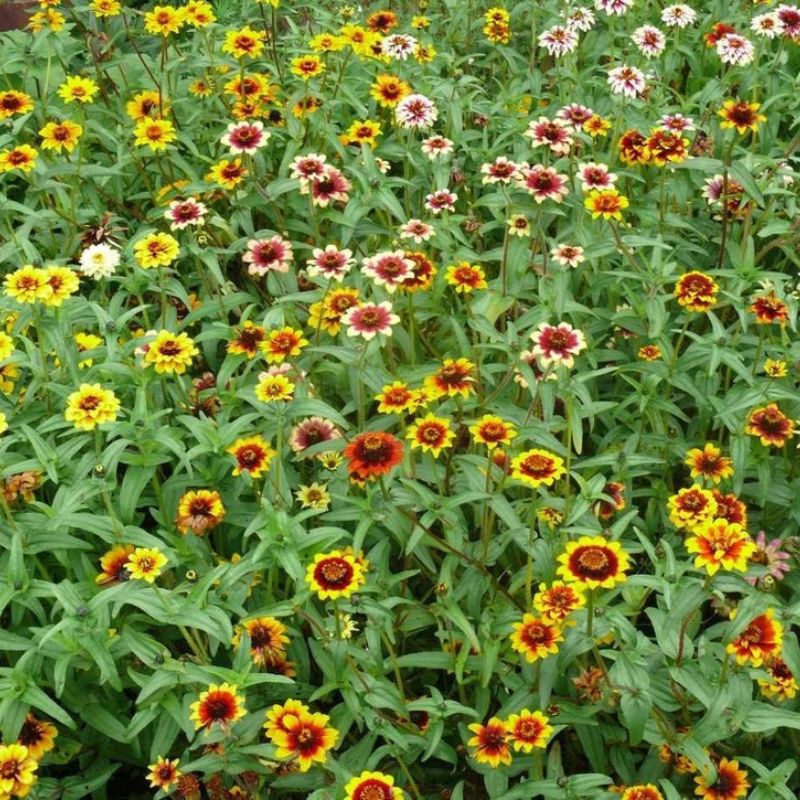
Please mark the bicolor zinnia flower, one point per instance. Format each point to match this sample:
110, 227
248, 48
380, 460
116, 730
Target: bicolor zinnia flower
227, 173
731, 782
536, 637
164, 773
595, 562
543, 183
741, 115
245, 137
114, 566
782, 684
642, 791
60, 135
771, 425
492, 430
769, 309
268, 639
415, 111
17, 769
154, 133
605, 509
396, 398
372, 786
770, 556
431, 433
282, 343
14, 102
334, 575
304, 738
331, 263
37, 735
691, 507
557, 344
455, 378
557, 601
388, 269
720, 544
145, 563
76, 88
218, 705
274, 388
606, 203
490, 743
268, 255
367, 320
528, 730
91, 405
760, 641
373, 453
22, 157
696, 291
312, 431
199, 511
156, 250
244, 43
709, 463
247, 340
465, 277
536, 467
253, 455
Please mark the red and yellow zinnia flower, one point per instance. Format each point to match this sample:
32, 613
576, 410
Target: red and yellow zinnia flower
720, 544
536, 637
218, 705
595, 562
490, 745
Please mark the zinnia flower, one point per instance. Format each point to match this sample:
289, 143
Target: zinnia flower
595, 562
731, 782
528, 730
218, 705
536, 637
771, 425
91, 405
490, 743
373, 453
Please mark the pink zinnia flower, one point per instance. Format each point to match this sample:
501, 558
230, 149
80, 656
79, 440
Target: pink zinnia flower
265, 255
550, 133
416, 111
441, 200
331, 186
388, 269
500, 171
245, 137
312, 431
370, 319
331, 262
185, 212
557, 344
595, 176
543, 183
437, 147
417, 230
770, 556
